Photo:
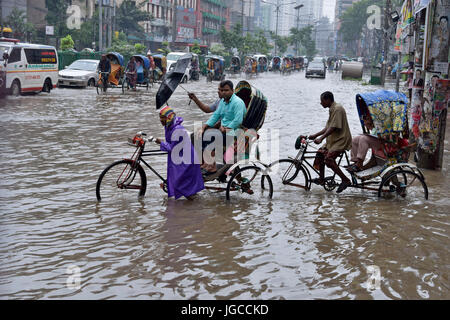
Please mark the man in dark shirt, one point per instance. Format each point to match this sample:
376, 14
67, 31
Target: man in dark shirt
104, 66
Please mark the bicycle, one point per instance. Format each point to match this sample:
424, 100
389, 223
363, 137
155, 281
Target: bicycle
382, 176
127, 177
102, 85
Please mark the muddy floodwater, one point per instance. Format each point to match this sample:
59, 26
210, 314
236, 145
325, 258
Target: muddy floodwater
298, 245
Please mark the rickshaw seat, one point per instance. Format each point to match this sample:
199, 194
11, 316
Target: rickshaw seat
115, 68
140, 74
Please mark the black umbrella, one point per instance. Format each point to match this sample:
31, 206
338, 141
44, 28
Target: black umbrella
173, 78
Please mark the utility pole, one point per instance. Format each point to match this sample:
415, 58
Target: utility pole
242, 12
100, 26
277, 10
298, 20
174, 24
386, 41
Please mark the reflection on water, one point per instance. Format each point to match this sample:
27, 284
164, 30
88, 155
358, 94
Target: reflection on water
299, 245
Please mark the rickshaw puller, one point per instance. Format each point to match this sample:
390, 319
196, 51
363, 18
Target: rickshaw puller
338, 139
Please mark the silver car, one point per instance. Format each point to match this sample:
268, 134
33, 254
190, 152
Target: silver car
80, 73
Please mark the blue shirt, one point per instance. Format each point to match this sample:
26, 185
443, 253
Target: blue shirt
231, 114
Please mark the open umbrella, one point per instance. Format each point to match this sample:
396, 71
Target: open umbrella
173, 78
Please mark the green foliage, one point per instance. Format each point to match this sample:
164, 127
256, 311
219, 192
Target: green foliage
281, 42
196, 49
140, 48
129, 14
67, 43
165, 49
244, 44
121, 46
56, 15
218, 49
303, 39
16, 21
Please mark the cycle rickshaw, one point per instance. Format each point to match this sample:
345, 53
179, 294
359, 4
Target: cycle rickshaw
235, 67
390, 176
241, 171
275, 64
115, 77
160, 67
262, 62
251, 67
286, 65
143, 73
215, 68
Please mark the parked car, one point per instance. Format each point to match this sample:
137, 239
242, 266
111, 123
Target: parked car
172, 58
80, 73
315, 69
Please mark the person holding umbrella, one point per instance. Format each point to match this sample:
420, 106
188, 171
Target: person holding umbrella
184, 177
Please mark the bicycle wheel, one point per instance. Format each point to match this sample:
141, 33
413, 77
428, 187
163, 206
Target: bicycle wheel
99, 86
245, 183
122, 179
288, 173
403, 183
125, 85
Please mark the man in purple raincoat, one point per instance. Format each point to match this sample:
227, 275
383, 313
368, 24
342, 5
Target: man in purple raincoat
184, 176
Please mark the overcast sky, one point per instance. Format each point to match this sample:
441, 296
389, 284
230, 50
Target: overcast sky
328, 8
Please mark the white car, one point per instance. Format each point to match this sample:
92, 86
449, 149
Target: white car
80, 73
173, 58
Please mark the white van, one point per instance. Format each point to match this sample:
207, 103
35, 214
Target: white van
28, 67
172, 58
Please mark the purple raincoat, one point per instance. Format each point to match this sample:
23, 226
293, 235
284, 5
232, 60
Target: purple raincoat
184, 179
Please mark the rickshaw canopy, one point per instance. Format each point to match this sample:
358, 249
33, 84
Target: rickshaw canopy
388, 110
144, 59
116, 56
256, 104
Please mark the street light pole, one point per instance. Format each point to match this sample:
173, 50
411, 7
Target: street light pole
298, 20
277, 10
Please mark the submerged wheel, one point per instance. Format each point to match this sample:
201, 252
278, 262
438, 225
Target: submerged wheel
125, 86
288, 173
245, 182
99, 86
403, 183
15, 88
122, 179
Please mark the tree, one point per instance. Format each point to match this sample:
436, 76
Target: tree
281, 42
140, 48
20, 27
232, 39
128, 16
196, 49
67, 43
57, 16
218, 49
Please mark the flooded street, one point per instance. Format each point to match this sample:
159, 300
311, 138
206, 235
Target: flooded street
298, 245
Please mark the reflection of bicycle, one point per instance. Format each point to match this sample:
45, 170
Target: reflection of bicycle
102, 83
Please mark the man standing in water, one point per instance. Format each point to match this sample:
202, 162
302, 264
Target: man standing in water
338, 139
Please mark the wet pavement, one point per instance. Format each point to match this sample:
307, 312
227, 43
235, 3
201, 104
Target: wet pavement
299, 245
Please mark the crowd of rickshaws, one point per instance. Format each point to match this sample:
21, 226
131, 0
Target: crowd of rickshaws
148, 70
257, 64
153, 68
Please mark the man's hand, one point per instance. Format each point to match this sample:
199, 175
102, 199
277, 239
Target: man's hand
318, 140
158, 141
224, 129
192, 96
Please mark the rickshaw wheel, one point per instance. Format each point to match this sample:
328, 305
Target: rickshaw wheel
245, 181
288, 171
125, 85
404, 184
121, 180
